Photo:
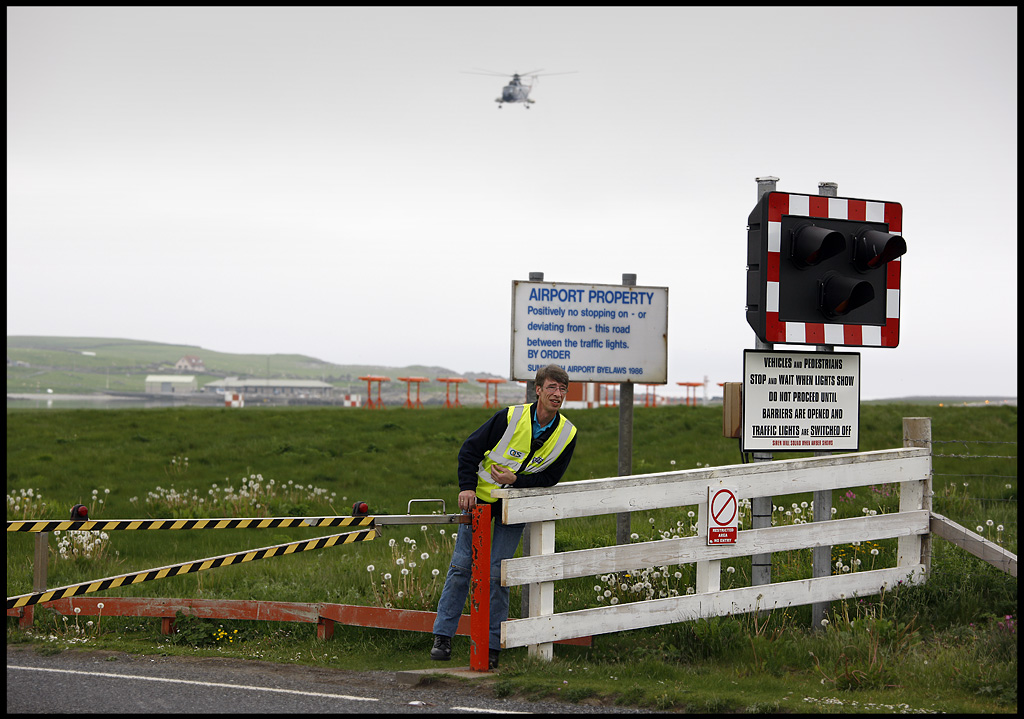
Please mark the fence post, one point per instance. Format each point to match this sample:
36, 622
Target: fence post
917, 432
480, 587
542, 594
709, 573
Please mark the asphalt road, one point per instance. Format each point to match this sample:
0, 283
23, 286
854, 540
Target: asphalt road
114, 682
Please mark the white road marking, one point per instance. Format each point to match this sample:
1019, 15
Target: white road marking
195, 683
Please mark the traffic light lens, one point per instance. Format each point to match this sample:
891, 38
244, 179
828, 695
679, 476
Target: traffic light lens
812, 245
841, 295
873, 249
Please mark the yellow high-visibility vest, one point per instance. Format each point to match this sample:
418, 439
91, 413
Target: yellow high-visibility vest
514, 447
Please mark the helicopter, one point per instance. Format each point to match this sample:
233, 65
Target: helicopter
516, 90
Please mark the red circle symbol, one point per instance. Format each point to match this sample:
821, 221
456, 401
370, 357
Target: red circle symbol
723, 507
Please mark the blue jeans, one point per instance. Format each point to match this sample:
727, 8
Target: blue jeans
504, 542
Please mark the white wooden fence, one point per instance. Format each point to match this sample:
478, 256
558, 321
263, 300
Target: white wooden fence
910, 467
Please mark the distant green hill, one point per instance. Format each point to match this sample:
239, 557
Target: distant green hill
83, 365
77, 365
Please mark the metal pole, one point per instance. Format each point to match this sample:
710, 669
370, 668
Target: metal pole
40, 567
41, 560
761, 507
531, 397
531, 389
821, 557
622, 520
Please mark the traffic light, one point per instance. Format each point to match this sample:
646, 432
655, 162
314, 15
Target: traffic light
79, 511
360, 509
824, 270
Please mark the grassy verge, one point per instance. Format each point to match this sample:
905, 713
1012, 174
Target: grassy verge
947, 646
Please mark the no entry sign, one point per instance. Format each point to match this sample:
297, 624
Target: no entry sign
723, 515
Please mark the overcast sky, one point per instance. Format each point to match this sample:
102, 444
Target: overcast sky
331, 181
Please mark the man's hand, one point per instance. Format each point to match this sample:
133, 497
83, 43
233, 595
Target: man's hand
502, 475
467, 499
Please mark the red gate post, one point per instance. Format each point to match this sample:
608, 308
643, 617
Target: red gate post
480, 588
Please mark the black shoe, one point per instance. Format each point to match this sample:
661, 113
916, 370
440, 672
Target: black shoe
492, 658
442, 650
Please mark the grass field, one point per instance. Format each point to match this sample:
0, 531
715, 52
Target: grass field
946, 646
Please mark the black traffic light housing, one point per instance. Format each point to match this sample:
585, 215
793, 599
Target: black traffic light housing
824, 270
79, 511
360, 509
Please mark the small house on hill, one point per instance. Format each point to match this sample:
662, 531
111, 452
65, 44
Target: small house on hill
190, 363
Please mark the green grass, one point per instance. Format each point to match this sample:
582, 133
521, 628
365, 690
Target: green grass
323, 460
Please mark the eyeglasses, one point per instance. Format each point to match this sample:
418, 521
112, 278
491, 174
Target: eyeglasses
555, 389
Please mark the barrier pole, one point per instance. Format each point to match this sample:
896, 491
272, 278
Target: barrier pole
480, 587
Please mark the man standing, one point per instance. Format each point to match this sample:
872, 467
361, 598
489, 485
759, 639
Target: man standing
527, 445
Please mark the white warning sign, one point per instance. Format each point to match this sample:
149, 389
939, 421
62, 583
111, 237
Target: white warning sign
723, 515
800, 401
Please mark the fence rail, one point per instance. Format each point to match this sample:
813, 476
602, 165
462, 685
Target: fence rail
628, 557
974, 543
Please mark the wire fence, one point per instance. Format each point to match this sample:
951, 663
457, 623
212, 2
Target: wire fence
976, 450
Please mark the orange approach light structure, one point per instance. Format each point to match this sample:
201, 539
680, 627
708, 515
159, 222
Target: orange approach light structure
449, 381
649, 399
691, 392
487, 389
370, 379
408, 386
